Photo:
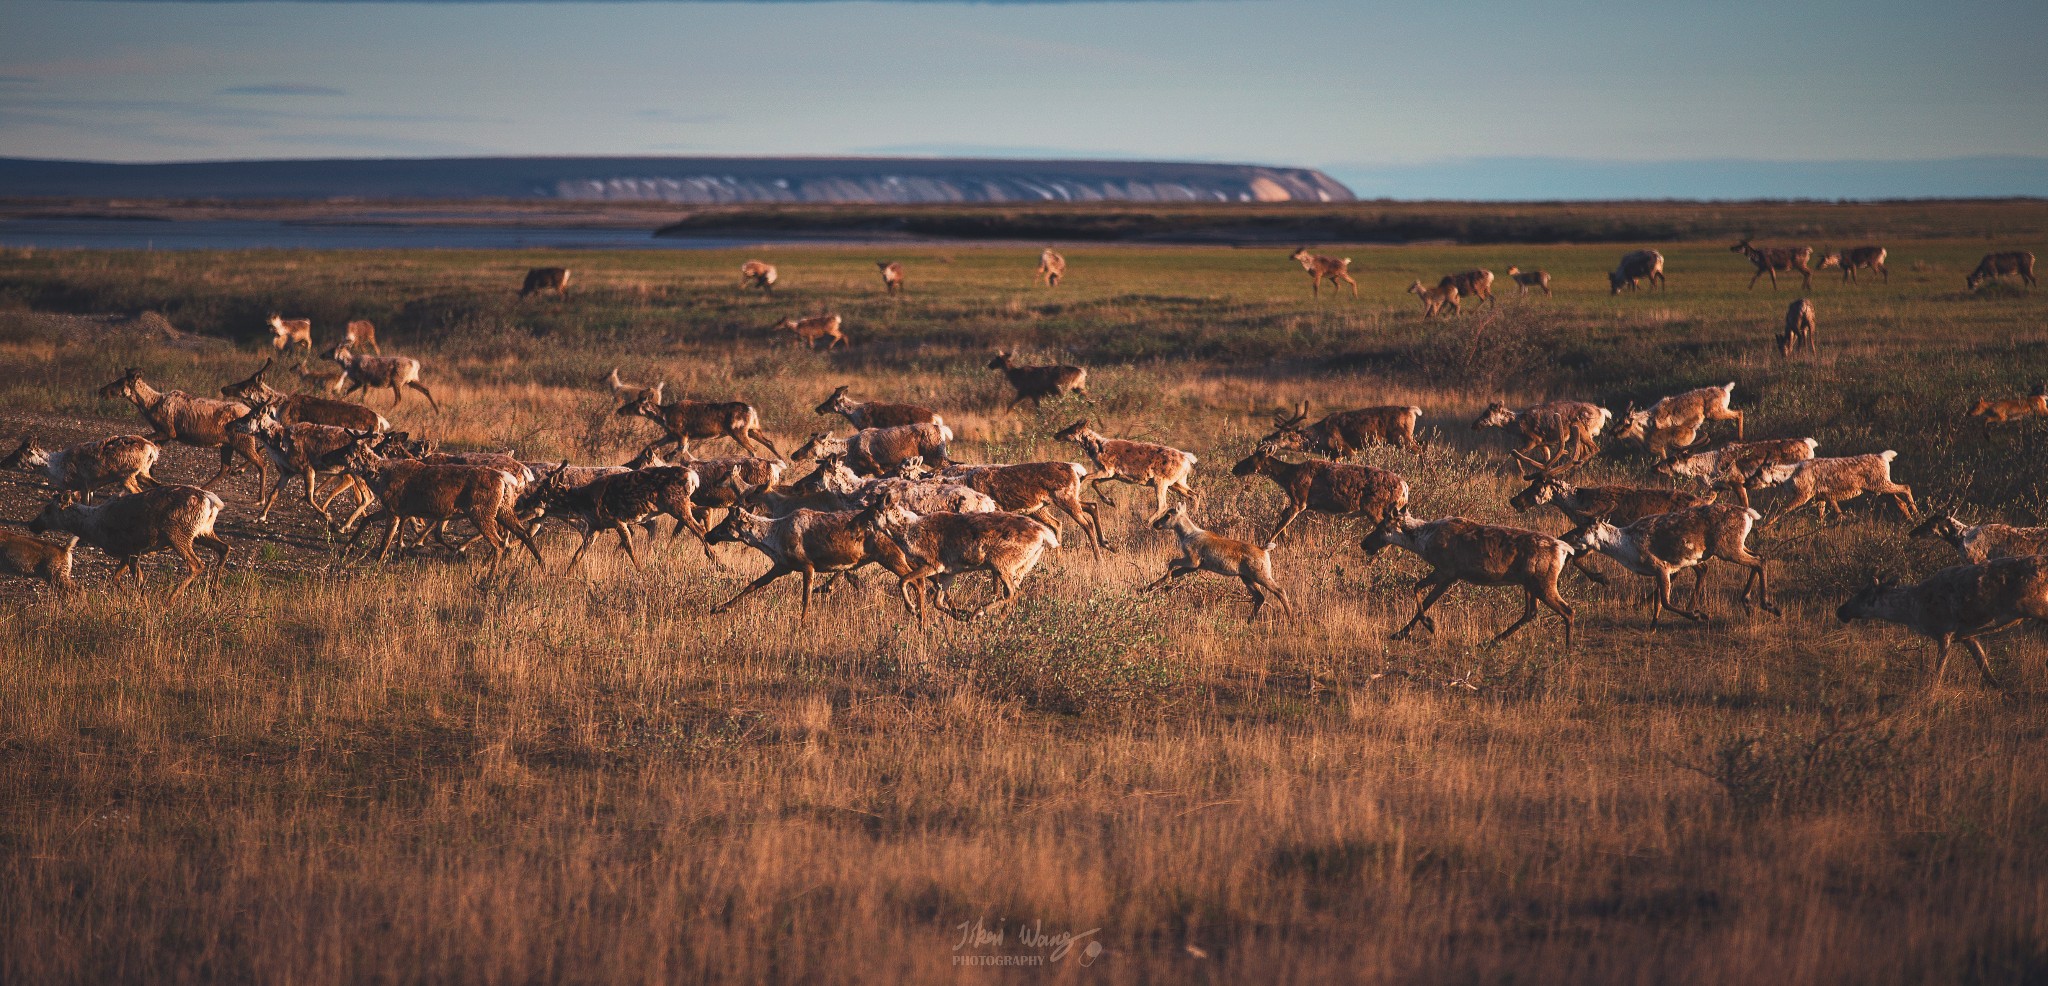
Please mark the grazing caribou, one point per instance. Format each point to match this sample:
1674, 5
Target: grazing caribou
1637, 265
2000, 264
540, 279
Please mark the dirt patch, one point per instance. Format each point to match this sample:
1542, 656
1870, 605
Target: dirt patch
142, 327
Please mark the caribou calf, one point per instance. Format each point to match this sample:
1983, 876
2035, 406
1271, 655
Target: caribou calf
37, 558
806, 542
684, 420
1798, 329
364, 372
879, 451
87, 466
814, 328
1997, 411
1320, 267
1201, 551
1161, 467
1984, 542
1868, 257
1437, 298
1524, 280
1740, 467
1036, 383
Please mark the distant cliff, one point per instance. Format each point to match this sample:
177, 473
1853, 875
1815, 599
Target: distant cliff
688, 181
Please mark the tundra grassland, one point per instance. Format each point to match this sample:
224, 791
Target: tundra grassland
323, 769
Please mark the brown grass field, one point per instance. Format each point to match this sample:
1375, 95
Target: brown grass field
327, 770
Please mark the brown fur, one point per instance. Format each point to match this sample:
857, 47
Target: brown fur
615, 501
758, 274
814, 328
302, 450
806, 542
1471, 284
1051, 267
1866, 257
87, 466
1742, 466
1984, 542
1959, 603
1524, 280
188, 420
1459, 550
1997, 411
876, 414
1556, 425
539, 279
892, 276
1343, 434
295, 409
364, 372
1036, 383
880, 451
682, 421
1771, 260
1798, 329
287, 333
435, 493
1202, 551
130, 527
2000, 264
1664, 544
1637, 265
1161, 467
941, 546
1675, 422
1436, 299
1335, 488
1032, 489
37, 558
361, 334
1828, 482
1320, 267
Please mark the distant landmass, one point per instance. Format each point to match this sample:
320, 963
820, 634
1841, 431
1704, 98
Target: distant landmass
680, 180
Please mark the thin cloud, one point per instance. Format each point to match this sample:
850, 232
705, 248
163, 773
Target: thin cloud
281, 89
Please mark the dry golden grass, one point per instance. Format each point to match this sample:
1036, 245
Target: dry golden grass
328, 770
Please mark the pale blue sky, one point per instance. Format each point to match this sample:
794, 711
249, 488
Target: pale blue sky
1355, 88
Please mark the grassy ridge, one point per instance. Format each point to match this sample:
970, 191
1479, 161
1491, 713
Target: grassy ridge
407, 773
1389, 222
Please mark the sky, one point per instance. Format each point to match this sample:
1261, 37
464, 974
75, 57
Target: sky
1383, 95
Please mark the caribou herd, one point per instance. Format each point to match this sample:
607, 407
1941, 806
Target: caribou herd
891, 495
